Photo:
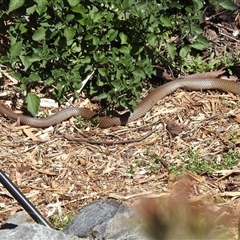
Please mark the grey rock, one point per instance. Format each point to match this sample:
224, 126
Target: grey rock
90, 216
123, 225
106, 219
11, 230
77, 238
19, 218
31, 231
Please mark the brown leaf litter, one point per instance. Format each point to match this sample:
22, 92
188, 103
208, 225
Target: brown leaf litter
65, 174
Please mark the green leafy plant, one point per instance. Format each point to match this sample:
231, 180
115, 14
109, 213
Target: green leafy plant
234, 137
57, 44
130, 169
199, 165
82, 123
225, 4
60, 222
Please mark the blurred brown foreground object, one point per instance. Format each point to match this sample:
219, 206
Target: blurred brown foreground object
181, 217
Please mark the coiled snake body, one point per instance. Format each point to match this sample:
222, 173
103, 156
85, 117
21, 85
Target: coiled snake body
143, 107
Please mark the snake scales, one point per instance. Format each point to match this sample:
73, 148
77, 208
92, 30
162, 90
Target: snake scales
143, 107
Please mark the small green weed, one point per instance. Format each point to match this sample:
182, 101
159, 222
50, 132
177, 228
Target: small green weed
148, 164
193, 64
130, 169
199, 165
83, 123
234, 137
231, 158
60, 222
154, 166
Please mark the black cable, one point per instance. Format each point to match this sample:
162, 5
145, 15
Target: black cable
22, 200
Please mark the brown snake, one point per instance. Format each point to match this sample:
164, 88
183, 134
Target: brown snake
143, 107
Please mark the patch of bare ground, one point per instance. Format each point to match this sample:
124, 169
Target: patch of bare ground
61, 175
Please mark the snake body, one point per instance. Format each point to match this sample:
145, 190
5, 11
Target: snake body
143, 107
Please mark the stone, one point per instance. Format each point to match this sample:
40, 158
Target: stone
105, 219
32, 231
19, 218
90, 216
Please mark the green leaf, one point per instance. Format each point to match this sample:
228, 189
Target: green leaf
166, 21
119, 73
138, 72
34, 58
177, 5
70, 17
73, 3
79, 9
200, 43
86, 60
69, 34
112, 34
49, 81
88, 68
198, 4
33, 102
97, 16
124, 49
16, 49
100, 83
39, 34
123, 38
102, 95
171, 50
31, 9
15, 4
88, 37
198, 46
184, 51
92, 12
16, 76
95, 40
102, 71
228, 4
152, 39
75, 47
26, 63
131, 105
115, 50
34, 77
195, 29
41, 6
22, 28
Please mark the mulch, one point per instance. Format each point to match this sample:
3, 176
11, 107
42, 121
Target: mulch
60, 176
